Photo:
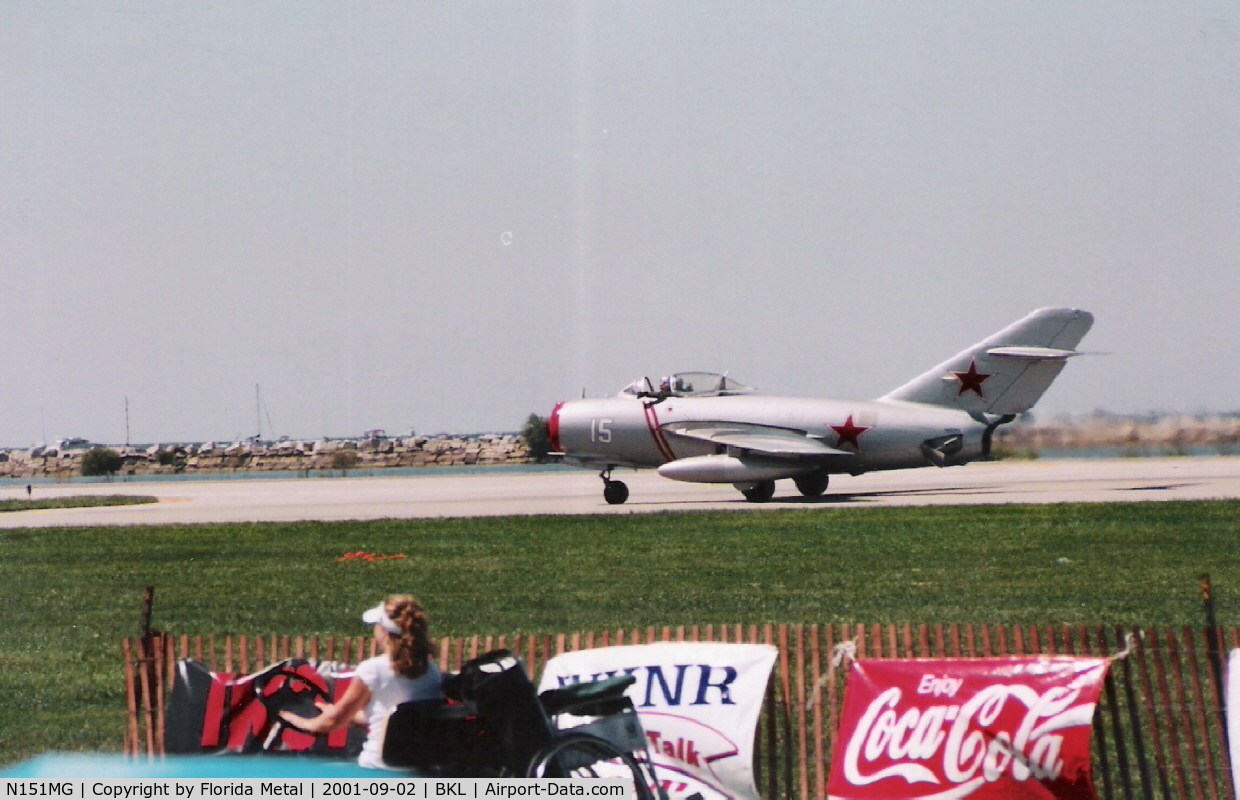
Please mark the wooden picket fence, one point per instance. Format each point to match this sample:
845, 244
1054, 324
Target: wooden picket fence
1158, 731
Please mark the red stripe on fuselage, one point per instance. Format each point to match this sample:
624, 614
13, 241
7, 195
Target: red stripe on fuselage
553, 428
660, 441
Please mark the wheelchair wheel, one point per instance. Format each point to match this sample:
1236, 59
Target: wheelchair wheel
293, 692
580, 755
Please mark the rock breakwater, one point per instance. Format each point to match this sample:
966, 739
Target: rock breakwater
306, 456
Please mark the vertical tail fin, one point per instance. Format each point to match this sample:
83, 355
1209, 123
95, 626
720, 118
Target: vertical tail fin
1007, 372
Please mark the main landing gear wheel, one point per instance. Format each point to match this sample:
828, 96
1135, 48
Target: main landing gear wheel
760, 492
812, 485
614, 492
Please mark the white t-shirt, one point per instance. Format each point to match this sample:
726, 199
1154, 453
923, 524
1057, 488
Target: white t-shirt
387, 691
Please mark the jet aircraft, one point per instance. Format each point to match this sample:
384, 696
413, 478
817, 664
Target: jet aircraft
708, 428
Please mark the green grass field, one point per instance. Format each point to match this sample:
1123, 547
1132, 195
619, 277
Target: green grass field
70, 595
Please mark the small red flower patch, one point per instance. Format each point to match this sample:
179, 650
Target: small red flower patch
362, 555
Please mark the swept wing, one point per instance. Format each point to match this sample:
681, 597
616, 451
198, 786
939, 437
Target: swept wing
763, 439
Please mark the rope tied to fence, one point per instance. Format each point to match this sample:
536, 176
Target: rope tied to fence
1130, 642
841, 652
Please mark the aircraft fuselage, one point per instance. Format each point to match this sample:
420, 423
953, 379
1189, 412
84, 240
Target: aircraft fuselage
633, 432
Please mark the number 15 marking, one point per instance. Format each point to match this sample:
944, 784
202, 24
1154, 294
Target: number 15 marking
600, 430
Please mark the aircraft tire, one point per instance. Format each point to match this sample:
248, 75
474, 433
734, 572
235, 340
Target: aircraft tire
760, 492
812, 485
615, 492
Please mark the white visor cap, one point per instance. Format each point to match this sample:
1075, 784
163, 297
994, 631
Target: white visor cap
377, 616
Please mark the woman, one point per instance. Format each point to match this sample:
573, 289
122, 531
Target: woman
404, 672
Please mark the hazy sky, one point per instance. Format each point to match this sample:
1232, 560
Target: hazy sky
447, 215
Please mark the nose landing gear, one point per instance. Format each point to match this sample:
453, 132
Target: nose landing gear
614, 492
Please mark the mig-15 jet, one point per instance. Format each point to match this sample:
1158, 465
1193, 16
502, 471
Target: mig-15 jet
708, 428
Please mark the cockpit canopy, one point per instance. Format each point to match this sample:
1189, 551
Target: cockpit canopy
687, 384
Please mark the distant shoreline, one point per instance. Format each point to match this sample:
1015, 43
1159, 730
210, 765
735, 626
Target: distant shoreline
1155, 436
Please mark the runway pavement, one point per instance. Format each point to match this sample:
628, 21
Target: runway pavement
580, 492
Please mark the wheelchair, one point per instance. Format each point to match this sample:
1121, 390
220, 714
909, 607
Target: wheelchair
495, 724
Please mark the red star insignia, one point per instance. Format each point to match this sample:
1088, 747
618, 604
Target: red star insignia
849, 432
972, 380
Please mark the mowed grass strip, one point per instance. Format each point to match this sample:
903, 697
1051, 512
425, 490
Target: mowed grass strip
70, 595
80, 501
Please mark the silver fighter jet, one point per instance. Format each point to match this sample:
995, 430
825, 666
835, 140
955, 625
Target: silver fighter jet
708, 428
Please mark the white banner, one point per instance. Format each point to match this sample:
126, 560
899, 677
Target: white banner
698, 703
1232, 705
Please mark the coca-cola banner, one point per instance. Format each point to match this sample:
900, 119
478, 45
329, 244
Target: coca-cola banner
940, 729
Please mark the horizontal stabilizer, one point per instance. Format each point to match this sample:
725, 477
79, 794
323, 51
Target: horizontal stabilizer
1032, 353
